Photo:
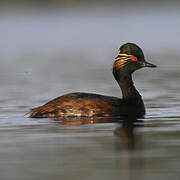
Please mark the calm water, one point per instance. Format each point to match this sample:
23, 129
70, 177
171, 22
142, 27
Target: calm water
47, 53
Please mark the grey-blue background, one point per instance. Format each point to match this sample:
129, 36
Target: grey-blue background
47, 50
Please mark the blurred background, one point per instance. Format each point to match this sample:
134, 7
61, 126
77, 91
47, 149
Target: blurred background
52, 47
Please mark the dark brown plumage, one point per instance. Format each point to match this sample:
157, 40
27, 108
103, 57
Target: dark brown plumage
129, 59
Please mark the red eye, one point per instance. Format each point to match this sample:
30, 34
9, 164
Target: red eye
134, 58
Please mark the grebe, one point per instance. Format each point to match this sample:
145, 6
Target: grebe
129, 59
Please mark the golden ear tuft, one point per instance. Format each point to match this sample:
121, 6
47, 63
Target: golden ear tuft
119, 63
121, 60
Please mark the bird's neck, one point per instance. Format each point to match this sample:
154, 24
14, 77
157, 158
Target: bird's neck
129, 91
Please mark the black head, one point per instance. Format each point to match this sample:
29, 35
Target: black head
133, 50
131, 57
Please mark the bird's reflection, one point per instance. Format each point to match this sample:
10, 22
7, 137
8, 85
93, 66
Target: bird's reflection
127, 143
126, 131
84, 120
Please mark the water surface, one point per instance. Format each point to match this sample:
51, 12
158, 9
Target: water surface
47, 53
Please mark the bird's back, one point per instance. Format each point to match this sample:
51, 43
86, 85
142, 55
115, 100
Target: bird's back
85, 105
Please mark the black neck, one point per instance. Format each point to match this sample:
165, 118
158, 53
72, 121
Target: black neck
127, 87
126, 84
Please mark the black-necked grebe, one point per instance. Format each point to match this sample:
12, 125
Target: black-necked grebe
129, 59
